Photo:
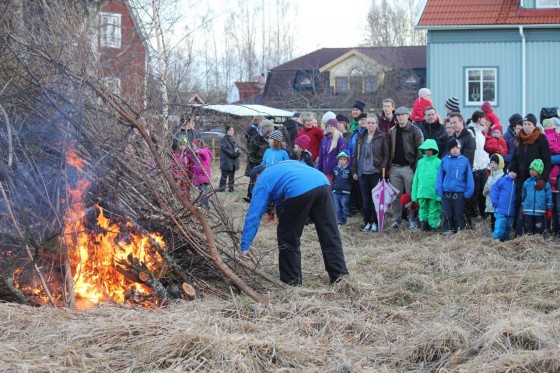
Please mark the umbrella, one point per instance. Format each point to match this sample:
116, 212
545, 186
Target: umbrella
383, 196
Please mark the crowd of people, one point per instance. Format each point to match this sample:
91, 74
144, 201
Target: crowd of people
448, 171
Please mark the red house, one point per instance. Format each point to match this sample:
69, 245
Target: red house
122, 52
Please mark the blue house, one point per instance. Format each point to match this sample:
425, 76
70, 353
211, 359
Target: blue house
506, 52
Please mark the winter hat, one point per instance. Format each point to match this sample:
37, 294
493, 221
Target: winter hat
429, 144
296, 115
332, 122
402, 110
360, 106
362, 116
276, 135
497, 127
423, 92
555, 121
405, 198
303, 142
537, 165
515, 119
342, 154
530, 118
547, 123
486, 107
342, 118
452, 104
499, 160
328, 115
452, 144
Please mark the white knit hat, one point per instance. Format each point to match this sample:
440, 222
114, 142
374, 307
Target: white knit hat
424, 92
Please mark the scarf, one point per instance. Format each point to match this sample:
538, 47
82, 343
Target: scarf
522, 137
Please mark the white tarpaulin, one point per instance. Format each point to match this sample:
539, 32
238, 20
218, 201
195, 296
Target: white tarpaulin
248, 110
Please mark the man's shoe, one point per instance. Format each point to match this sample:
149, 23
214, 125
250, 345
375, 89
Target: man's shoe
373, 227
412, 225
395, 225
367, 228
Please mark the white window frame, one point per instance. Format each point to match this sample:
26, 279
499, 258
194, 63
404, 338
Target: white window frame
479, 102
112, 84
110, 26
540, 6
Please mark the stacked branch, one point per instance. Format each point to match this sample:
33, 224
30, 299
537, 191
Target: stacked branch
54, 104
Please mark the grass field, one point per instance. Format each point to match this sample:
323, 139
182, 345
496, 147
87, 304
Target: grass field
413, 302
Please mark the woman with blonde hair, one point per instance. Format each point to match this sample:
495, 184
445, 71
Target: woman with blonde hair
332, 144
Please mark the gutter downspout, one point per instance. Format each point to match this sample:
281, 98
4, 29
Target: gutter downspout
523, 70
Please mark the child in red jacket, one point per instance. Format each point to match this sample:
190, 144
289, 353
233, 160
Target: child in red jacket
201, 169
422, 102
496, 144
552, 133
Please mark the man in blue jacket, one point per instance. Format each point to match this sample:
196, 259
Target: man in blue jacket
299, 192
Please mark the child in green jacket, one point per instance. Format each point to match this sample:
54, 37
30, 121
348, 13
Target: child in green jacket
424, 186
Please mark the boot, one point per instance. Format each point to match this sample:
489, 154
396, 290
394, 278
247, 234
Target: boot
425, 226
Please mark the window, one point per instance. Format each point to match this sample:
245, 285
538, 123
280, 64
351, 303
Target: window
548, 3
357, 85
341, 85
481, 86
113, 85
110, 28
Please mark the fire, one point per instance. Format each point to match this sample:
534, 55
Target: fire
94, 254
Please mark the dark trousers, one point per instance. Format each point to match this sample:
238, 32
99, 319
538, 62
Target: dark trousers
227, 176
355, 197
534, 224
452, 216
476, 205
318, 205
367, 183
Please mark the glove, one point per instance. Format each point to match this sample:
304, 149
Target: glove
270, 217
548, 214
540, 184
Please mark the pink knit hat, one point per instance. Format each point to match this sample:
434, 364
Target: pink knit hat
303, 141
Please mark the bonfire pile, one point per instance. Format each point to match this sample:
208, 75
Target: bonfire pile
89, 209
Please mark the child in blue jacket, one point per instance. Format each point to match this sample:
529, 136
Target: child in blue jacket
341, 187
502, 195
454, 183
536, 204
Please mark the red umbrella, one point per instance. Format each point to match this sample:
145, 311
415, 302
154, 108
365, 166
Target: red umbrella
383, 196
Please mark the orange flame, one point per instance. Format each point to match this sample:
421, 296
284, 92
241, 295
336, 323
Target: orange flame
94, 255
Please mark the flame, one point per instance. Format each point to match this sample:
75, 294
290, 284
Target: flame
94, 255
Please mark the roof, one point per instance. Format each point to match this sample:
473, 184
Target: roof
397, 57
248, 110
438, 13
248, 89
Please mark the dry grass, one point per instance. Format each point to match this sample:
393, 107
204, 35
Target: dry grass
413, 302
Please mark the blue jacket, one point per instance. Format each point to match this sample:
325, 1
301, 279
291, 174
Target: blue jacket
342, 179
352, 144
272, 156
277, 183
455, 175
535, 202
502, 194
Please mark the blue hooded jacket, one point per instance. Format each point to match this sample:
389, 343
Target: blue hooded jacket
277, 183
502, 194
455, 175
535, 202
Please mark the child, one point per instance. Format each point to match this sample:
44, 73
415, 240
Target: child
496, 144
201, 169
276, 152
422, 102
181, 168
502, 196
454, 183
410, 210
423, 186
496, 172
301, 150
536, 204
552, 133
341, 187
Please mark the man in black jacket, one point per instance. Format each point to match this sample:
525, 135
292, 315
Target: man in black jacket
465, 137
292, 127
432, 129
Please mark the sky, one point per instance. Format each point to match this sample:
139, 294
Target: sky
333, 23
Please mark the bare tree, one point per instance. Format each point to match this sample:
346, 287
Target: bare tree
391, 23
